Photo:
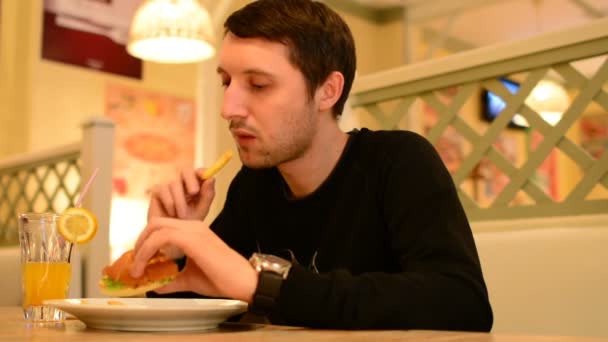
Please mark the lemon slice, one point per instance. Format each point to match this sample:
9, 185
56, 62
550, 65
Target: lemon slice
77, 225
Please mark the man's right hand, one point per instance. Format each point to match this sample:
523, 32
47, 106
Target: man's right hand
187, 198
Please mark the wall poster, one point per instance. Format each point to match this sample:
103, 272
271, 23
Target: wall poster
91, 34
154, 138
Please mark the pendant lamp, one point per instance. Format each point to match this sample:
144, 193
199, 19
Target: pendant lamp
171, 31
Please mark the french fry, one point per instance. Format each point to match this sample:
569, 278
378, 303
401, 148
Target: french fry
217, 166
115, 302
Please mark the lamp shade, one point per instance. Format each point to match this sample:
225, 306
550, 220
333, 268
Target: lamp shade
550, 100
171, 31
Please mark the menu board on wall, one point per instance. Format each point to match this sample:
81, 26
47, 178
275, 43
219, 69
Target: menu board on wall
154, 138
91, 34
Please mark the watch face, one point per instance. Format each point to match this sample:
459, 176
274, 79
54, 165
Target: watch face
272, 260
270, 263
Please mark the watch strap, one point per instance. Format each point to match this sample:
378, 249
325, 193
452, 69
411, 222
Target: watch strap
266, 293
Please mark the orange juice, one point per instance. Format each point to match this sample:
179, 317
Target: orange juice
44, 280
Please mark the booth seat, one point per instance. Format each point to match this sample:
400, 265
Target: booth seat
547, 277
10, 271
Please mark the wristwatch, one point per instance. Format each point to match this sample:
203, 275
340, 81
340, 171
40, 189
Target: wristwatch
272, 270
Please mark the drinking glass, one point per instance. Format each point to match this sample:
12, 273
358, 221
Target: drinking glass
45, 266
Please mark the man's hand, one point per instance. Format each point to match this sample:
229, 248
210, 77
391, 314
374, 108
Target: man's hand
187, 198
212, 268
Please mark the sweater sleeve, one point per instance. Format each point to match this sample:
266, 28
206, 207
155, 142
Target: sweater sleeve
439, 285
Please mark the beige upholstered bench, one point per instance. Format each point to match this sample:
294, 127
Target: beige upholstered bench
547, 276
10, 271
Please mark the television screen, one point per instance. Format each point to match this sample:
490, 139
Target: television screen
493, 105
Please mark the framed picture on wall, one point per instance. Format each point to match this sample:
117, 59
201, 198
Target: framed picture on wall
91, 34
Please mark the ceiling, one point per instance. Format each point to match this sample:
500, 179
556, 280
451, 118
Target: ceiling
475, 23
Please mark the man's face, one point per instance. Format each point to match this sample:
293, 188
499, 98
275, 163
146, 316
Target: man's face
271, 116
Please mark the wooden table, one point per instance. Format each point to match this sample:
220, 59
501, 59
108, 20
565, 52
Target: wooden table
14, 328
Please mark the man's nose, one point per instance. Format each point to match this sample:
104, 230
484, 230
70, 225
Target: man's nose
233, 104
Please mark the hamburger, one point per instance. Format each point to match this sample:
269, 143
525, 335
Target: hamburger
116, 280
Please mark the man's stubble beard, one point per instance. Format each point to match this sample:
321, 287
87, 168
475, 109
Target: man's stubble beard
290, 144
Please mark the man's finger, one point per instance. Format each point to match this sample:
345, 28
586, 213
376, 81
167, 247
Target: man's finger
156, 208
166, 200
158, 233
191, 182
179, 198
207, 195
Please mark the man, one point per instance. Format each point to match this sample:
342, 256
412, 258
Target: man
368, 224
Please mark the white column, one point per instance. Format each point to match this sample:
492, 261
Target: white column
97, 151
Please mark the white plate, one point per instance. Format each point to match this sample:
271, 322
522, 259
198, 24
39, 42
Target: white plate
150, 314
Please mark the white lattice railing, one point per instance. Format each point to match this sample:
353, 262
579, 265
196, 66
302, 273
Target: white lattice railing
49, 181
501, 172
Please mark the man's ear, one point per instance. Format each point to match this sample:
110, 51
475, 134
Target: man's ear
330, 91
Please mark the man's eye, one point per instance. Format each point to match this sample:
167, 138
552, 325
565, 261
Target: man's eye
225, 84
259, 86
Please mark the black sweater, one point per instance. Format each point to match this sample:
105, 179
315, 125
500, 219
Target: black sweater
393, 246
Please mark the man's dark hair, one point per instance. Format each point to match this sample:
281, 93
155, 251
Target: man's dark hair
319, 40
